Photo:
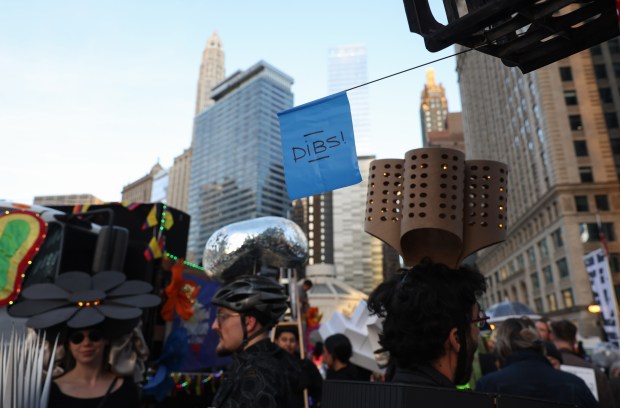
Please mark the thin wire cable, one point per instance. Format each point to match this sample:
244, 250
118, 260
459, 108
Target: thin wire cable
410, 69
428, 63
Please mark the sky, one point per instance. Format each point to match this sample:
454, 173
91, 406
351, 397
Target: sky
94, 93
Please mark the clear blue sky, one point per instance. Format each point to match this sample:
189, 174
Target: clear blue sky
93, 93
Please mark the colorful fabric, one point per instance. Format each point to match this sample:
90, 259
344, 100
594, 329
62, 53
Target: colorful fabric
168, 221
153, 251
181, 295
21, 234
80, 208
131, 205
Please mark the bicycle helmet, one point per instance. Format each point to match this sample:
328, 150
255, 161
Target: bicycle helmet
257, 296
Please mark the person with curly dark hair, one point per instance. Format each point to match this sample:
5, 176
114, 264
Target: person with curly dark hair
431, 323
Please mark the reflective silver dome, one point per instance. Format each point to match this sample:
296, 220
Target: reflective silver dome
247, 246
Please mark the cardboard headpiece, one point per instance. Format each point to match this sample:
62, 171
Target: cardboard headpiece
436, 204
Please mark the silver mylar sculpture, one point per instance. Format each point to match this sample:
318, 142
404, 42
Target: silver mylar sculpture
246, 246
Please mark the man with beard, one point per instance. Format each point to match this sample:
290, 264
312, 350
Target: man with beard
431, 323
262, 374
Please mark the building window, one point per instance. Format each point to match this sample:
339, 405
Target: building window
535, 281
611, 120
581, 203
520, 263
614, 46
589, 232
605, 94
599, 71
602, 203
548, 274
562, 268
567, 295
553, 306
542, 247
615, 145
596, 50
566, 74
585, 174
614, 262
616, 67
539, 305
581, 148
531, 256
556, 236
575, 122
570, 97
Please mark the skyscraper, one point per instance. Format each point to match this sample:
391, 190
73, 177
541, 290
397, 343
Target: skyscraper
211, 72
179, 180
141, 189
433, 107
358, 256
237, 170
557, 128
347, 68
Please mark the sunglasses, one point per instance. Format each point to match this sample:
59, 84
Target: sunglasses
93, 335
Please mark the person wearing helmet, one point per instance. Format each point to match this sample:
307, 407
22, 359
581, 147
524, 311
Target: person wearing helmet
262, 374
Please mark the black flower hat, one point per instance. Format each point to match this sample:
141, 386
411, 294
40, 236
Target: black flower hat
81, 300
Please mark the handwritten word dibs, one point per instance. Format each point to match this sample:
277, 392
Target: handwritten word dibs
317, 146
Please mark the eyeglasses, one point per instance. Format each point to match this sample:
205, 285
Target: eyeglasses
481, 320
221, 317
93, 335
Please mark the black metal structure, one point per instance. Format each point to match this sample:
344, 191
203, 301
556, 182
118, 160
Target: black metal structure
528, 34
350, 394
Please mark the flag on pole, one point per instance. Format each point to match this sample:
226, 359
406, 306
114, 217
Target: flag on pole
318, 146
604, 293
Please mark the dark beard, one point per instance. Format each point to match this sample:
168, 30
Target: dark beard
223, 352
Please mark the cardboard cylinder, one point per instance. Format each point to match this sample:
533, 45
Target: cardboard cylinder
384, 201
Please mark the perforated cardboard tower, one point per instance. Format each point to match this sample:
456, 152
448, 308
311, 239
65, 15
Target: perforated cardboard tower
434, 203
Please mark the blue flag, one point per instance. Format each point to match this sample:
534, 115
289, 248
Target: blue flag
318, 146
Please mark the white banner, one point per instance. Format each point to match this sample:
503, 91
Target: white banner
603, 291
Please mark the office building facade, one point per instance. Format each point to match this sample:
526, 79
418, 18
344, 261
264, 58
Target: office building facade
67, 199
557, 129
237, 170
347, 67
141, 190
178, 183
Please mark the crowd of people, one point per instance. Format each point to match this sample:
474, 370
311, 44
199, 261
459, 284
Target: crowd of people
431, 329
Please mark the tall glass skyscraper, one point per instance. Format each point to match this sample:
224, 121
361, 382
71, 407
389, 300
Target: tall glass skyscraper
237, 171
347, 68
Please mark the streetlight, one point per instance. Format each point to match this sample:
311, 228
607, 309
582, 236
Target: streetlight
595, 309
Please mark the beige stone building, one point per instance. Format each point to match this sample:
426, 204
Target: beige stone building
68, 199
212, 72
141, 189
452, 137
557, 128
178, 181
433, 107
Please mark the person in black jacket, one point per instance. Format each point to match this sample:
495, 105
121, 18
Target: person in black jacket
262, 374
431, 323
337, 351
287, 337
525, 371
